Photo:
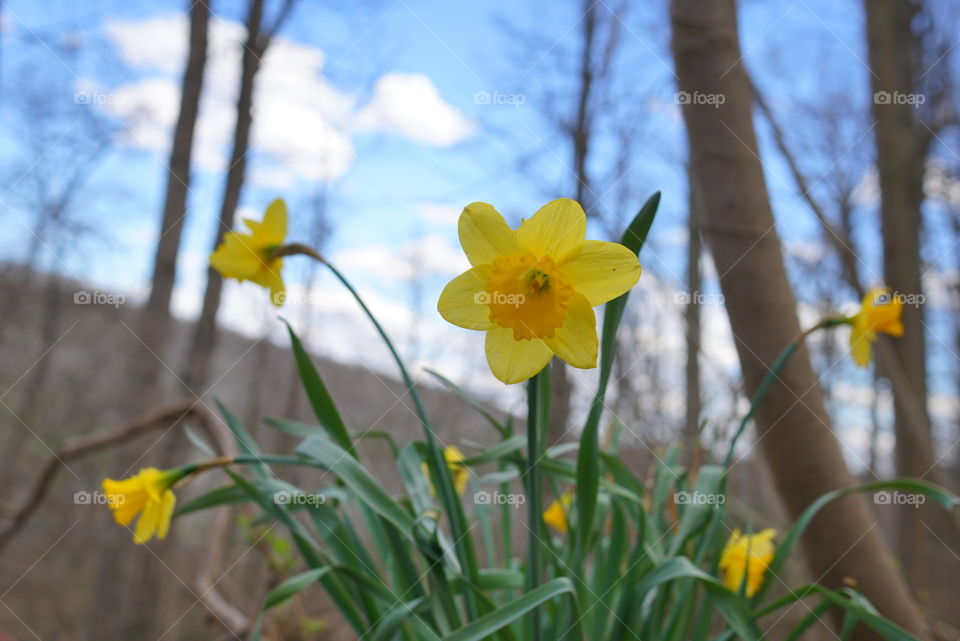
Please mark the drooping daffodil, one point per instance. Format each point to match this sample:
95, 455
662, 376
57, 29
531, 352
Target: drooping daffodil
454, 458
746, 558
250, 256
879, 313
557, 513
533, 289
147, 495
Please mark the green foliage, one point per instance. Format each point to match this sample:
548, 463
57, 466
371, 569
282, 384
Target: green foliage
402, 563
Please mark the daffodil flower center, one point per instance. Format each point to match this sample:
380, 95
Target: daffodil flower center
528, 294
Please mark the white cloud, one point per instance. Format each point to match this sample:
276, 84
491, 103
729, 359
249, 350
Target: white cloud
430, 255
302, 124
411, 105
299, 118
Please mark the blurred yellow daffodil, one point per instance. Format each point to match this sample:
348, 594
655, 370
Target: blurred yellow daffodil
533, 289
454, 458
879, 312
746, 557
148, 495
557, 513
249, 256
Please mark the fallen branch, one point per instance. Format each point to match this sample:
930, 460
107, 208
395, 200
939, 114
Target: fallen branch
165, 417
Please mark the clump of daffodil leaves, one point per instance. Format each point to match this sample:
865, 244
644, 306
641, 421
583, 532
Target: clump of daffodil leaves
430, 551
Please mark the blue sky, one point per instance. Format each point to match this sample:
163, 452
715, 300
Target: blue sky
410, 170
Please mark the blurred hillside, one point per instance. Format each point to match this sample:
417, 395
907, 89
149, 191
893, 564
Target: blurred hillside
66, 544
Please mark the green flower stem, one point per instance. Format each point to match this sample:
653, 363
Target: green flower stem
534, 496
773, 374
437, 464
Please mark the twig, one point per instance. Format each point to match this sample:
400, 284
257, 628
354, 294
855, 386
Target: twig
152, 420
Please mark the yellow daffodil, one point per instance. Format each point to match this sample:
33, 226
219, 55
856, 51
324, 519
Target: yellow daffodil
148, 495
746, 557
879, 312
249, 256
454, 458
557, 513
533, 289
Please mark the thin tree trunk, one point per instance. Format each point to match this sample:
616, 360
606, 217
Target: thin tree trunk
691, 429
901, 153
561, 385
202, 346
794, 430
888, 366
155, 321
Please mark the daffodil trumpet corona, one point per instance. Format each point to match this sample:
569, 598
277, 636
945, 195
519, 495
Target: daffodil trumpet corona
533, 289
148, 497
745, 560
879, 313
252, 256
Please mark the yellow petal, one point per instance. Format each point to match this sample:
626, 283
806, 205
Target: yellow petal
555, 517
236, 257
124, 505
462, 300
602, 271
461, 475
123, 486
147, 523
484, 234
513, 361
861, 346
576, 340
460, 479
169, 501
271, 278
272, 230
556, 230
894, 328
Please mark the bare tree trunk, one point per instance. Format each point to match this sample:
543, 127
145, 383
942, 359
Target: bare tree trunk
155, 321
691, 428
202, 346
561, 386
794, 429
901, 153
875, 428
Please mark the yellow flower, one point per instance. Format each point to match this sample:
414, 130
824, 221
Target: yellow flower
248, 256
454, 458
557, 513
747, 557
532, 289
879, 312
147, 494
